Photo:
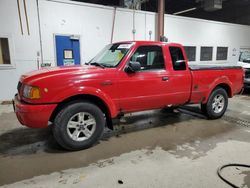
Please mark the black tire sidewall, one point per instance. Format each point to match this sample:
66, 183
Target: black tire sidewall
61, 121
209, 110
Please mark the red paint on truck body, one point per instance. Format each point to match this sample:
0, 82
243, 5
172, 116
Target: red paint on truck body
120, 91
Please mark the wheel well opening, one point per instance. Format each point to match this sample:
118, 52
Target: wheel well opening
227, 89
93, 99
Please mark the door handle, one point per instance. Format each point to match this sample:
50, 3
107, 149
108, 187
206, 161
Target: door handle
165, 78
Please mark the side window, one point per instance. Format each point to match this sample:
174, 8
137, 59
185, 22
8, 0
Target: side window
177, 58
150, 57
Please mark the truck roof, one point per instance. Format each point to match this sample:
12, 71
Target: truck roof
145, 42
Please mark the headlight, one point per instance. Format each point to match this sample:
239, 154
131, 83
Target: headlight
31, 92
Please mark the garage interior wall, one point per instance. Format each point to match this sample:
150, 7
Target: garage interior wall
23, 48
93, 23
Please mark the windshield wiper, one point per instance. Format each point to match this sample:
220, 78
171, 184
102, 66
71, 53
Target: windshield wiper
107, 65
96, 64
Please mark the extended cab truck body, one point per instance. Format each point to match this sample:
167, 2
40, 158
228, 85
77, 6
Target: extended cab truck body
124, 77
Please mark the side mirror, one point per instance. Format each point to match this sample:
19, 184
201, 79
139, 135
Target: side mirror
133, 66
180, 65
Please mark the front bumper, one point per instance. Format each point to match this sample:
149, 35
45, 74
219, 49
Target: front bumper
247, 83
33, 115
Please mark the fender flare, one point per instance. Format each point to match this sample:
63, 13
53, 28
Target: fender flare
83, 90
220, 81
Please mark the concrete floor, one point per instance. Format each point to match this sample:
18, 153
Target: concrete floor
149, 149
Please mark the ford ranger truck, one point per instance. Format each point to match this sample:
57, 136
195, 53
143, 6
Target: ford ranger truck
79, 101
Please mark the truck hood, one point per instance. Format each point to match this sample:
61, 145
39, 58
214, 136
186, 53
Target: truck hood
56, 71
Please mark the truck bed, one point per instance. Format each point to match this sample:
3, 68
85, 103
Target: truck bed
213, 67
206, 77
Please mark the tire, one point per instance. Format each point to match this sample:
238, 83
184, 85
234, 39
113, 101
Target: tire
216, 104
78, 125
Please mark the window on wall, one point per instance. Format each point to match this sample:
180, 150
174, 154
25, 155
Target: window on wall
221, 53
206, 53
4, 52
190, 52
150, 57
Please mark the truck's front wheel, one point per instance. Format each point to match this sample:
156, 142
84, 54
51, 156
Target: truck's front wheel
216, 105
78, 125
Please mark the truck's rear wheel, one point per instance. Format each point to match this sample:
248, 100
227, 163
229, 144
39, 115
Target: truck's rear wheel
216, 105
78, 125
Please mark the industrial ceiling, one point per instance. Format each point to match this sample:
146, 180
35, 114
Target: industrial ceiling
232, 11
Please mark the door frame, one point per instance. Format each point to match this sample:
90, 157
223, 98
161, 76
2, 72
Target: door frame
66, 35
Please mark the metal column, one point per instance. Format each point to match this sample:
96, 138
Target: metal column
161, 11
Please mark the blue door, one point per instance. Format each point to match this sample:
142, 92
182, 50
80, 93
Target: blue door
67, 50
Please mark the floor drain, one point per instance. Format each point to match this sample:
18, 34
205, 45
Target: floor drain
120, 181
237, 121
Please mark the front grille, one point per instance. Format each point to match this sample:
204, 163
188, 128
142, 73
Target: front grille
19, 85
247, 73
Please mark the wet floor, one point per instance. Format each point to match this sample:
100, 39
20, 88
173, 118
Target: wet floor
31, 149
25, 153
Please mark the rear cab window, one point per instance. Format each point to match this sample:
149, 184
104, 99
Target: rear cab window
177, 57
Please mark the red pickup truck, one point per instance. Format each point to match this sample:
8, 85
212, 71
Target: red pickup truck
80, 101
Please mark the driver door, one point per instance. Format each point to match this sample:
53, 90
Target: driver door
147, 88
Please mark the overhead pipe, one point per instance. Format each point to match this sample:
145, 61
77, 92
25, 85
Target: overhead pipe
20, 17
26, 17
113, 26
161, 11
40, 37
133, 30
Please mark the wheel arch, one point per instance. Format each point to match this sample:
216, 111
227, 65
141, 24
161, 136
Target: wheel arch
224, 86
84, 97
227, 88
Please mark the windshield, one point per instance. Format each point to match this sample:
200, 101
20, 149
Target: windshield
245, 57
111, 55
